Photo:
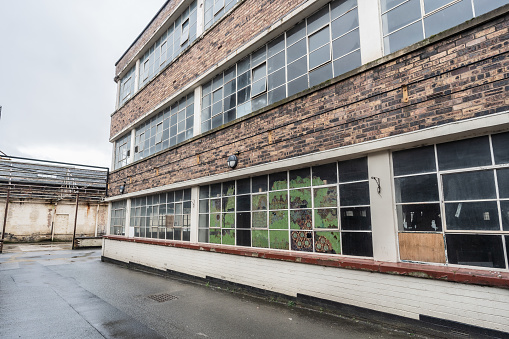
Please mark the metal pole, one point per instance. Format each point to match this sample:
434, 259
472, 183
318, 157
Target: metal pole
5, 219
75, 220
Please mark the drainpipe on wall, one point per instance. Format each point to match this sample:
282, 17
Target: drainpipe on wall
53, 222
96, 219
75, 220
5, 219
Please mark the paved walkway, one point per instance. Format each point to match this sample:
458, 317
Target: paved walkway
49, 291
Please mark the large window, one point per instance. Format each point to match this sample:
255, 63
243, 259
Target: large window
405, 22
452, 201
162, 216
118, 215
122, 151
126, 86
215, 9
171, 43
168, 128
323, 46
324, 209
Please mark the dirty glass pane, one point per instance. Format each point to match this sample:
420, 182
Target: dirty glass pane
481, 215
244, 220
278, 181
276, 45
353, 170
298, 85
300, 198
414, 161
301, 241
319, 57
215, 236
500, 149
215, 205
345, 24
279, 240
504, 207
464, 153
259, 219
326, 218
260, 184
417, 188
297, 68
484, 6
215, 220
296, 51
296, 33
356, 218
358, 243
319, 38
258, 56
276, 62
318, 19
203, 221
276, 79
320, 75
243, 238
260, 238
228, 236
324, 174
475, 250
228, 220
229, 188
326, 197
346, 44
278, 200
388, 4
469, 186
401, 16
404, 37
244, 203
419, 217
301, 219
244, 186
328, 242
354, 194
203, 235
278, 220
431, 5
243, 80
276, 95
259, 102
448, 17
259, 202
300, 178
215, 190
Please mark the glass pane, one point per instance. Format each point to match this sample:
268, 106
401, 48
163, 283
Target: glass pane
464, 153
356, 218
388, 4
276, 62
278, 220
298, 85
326, 218
354, 194
340, 7
243, 238
301, 219
279, 240
215, 190
276, 45
260, 184
482, 215
301, 241
328, 242
401, 16
204, 206
244, 186
215, 205
259, 202
203, 221
278, 200
413, 161
243, 203
319, 38
419, 217
324, 174
228, 237
260, 238
504, 207
229, 220
319, 56
259, 72
344, 24
278, 181
353, 170
431, 5
258, 56
215, 220
203, 235
326, 196
484, 6
416, 189
296, 51
244, 220
320, 75
347, 63
276, 79
475, 250
359, 244
276, 95
260, 219
318, 19
448, 17
204, 192
346, 44
500, 149
229, 188
296, 33
300, 178
297, 68
243, 95
469, 186
403, 38
243, 80
300, 198
257, 88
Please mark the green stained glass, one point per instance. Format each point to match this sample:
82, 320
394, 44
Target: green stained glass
229, 220
301, 220
259, 219
278, 220
300, 198
328, 242
215, 205
215, 236
301, 241
278, 200
229, 204
228, 237
260, 238
259, 202
215, 220
300, 178
279, 240
326, 196
326, 218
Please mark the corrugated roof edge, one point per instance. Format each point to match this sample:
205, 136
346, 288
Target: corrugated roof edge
143, 31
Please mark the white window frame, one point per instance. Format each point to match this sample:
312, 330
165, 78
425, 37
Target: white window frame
184, 36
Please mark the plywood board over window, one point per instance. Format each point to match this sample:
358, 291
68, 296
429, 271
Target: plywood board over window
427, 247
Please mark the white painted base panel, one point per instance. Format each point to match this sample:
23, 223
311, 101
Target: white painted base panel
400, 295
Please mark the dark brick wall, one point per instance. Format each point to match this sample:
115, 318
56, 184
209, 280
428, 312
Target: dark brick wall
244, 23
460, 77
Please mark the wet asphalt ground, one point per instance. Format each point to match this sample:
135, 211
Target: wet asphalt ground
49, 291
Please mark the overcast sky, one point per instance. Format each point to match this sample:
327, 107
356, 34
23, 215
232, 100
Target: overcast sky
57, 62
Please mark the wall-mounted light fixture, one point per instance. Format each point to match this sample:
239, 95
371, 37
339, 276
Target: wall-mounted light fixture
233, 160
122, 188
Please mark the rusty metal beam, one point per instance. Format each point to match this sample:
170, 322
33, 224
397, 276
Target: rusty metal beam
75, 220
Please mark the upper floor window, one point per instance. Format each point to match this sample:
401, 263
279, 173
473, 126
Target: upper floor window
215, 9
323, 46
171, 43
118, 217
405, 22
126, 86
122, 151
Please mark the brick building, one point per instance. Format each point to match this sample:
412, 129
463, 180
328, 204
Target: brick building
370, 138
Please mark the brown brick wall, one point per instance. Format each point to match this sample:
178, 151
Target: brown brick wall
244, 23
461, 77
